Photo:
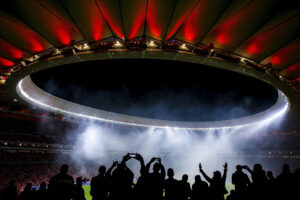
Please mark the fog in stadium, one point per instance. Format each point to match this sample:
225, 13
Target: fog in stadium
179, 149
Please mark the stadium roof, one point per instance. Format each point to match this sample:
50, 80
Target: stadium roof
262, 31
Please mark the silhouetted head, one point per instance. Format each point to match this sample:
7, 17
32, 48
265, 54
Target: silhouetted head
170, 173
197, 178
217, 175
286, 168
185, 177
43, 185
102, 169
156, 167
79, 181
64, 169
257, 167
238, 168
270, 175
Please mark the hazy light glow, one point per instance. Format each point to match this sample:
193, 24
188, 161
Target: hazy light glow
118, 44
29, 92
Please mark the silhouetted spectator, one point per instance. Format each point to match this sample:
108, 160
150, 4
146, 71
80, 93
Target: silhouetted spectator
117, 183
61, 186
200, 189
10, 192
271, 186
100, 183
241, 182
121, 181
284, 180
184, 188
258, 174
154, 181
257, 188
79, 193
217, 183
27, 194
140, 186
171, 186
42, 193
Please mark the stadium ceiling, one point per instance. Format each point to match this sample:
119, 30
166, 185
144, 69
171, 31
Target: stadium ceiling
266, 33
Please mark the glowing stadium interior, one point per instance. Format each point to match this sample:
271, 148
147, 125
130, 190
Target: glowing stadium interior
252, 38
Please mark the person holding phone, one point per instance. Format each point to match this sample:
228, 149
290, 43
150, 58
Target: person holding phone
121, 181
155, 180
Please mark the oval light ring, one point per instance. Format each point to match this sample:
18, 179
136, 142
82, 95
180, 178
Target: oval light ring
32, 94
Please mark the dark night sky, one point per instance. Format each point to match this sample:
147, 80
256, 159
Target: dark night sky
169, 90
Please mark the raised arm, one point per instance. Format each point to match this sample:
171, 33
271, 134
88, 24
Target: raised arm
248, 169
149, 164
141, 160
162, 169
129, 173
125, 159
108, 172
204, 174
224, 173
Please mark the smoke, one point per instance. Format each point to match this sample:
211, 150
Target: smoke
181, 150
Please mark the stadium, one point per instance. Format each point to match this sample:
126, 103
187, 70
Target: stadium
84, 83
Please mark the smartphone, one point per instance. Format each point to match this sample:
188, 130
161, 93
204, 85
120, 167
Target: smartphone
132, 155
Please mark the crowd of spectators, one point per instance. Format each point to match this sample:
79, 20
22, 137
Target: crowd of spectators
31, 173
24, 166
117, 183
23, 174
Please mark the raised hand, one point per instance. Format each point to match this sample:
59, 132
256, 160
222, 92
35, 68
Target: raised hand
225, 166
159, 160
153, 159
200, 166
126, 157
138, 157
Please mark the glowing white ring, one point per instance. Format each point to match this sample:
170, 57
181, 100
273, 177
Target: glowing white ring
32, 94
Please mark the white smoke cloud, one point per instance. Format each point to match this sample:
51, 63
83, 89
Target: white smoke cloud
181, 150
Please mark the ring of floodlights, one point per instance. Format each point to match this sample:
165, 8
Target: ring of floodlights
25, 90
